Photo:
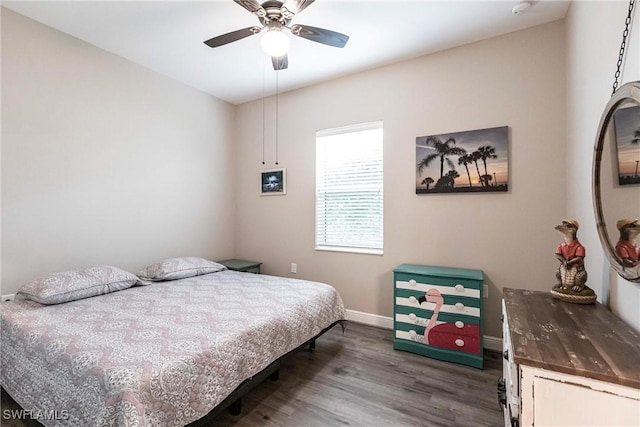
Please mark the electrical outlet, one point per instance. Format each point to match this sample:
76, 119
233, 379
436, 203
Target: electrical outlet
294, 267
8, 297
485, 290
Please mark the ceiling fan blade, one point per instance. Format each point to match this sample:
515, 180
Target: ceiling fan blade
280, 62
232, 36
252, 6
320, 35
293, 7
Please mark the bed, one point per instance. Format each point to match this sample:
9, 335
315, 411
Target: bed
163, 354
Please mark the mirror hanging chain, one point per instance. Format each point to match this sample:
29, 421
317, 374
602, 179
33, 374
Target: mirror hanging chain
623, 45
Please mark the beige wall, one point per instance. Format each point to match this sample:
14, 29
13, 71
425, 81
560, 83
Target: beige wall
594, 33
516, 80
106, 162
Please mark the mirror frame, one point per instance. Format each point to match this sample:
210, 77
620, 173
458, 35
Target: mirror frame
629, 92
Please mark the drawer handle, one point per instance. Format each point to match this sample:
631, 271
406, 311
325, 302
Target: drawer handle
459, 324
412, 334
502, 392
459, 287
413, 300
412, 317
412, 282
459, 342
460, 306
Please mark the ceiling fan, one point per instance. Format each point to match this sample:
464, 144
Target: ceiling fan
275, 16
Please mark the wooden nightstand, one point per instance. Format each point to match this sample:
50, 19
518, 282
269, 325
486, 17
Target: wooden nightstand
242, 265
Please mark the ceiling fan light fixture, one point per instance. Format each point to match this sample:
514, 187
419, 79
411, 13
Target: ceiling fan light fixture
275, 42
275, 17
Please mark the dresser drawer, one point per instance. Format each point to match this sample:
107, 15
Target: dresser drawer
458, 336
452, 305
466, 339
420, 316
454, 286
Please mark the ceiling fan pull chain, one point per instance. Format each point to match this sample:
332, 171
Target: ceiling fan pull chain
623, 45
263, 112
277, 114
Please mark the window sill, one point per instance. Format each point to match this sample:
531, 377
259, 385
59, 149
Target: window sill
364, 251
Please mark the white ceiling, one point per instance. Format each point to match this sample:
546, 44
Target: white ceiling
168, 36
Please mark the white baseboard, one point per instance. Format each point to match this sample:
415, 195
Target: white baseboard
370, 319
490, 343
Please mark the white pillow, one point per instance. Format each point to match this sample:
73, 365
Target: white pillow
64, 286
179, 268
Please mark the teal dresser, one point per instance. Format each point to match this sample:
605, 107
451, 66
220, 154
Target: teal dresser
438, 312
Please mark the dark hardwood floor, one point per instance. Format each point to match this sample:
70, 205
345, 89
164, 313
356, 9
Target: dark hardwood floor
357, 379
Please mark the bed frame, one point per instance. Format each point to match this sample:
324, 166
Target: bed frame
234, 400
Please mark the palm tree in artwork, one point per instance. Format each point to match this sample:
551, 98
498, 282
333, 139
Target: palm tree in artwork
487, 152
443, 151
475, 156
465, 160
427, 182
486, 179
451, 176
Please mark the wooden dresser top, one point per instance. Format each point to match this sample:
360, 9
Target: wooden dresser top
584, 340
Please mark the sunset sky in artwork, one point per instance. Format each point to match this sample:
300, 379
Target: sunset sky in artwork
627, 122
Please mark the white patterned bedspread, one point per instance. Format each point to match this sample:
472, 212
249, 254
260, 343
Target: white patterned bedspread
163, 354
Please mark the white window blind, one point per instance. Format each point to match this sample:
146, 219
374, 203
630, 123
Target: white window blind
349, 203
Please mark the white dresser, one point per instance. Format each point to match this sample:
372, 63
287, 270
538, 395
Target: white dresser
567, 364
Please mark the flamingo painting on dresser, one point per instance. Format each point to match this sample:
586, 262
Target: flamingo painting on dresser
432, 295
455, 336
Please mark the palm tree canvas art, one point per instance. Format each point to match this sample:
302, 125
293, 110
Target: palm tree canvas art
463, 162
627, 128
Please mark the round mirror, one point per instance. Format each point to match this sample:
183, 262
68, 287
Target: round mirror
616, 181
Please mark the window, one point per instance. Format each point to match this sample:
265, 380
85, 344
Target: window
349, 189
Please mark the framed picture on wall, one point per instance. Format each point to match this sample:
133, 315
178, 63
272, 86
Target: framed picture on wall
273, 182
475, 161
627, 127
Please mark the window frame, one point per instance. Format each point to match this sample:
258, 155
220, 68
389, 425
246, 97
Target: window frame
349, 248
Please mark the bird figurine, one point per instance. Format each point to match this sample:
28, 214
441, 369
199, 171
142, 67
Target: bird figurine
571, 274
